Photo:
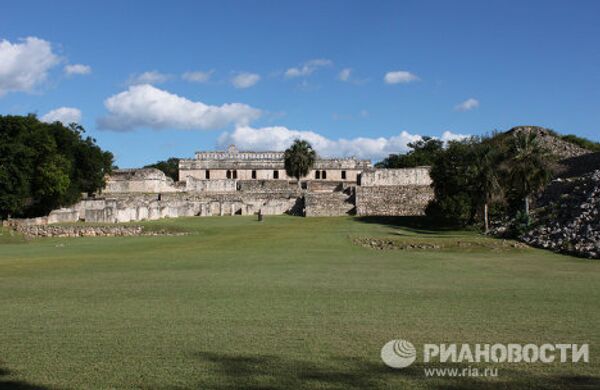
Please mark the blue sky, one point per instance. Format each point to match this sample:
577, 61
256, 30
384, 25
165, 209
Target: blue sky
260, 73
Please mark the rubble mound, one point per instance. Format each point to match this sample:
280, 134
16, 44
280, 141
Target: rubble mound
551, 140
568, 217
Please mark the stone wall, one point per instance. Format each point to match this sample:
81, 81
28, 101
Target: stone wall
404, 200
259, 186
131, 207
79, 231
196, 185
325, 186
396, 177
139, 180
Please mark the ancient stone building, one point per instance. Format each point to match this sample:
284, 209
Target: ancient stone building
236, 182
233, 164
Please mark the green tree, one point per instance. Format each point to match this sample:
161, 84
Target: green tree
299, 159
454, 174
46, 165
170, 167
530, 166
486, 180
423, 152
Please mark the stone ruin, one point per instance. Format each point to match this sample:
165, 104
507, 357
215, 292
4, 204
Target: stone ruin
234, 182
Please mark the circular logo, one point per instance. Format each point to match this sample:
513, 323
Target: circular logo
398, 353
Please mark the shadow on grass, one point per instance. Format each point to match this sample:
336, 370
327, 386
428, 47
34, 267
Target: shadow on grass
272, 372
416, 224
10, 384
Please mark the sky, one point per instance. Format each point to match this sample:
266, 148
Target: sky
154, 79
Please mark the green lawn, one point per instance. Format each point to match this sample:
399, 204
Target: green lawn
286, 303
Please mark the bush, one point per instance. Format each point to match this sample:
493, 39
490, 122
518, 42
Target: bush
521, 224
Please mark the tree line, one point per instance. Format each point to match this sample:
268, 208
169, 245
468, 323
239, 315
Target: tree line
479, 177
44, 166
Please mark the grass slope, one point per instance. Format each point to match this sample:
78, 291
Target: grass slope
286, 303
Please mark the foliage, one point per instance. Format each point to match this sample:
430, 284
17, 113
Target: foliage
46, 165
299, 159
582, 142
170, 167
423, 152
520, 224
529, 167
489, 171
454, 174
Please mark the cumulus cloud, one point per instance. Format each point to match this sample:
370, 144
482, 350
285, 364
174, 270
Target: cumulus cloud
400, 77
467, 105
344, 74
66, 115
307, 68
197, 76
77, 69
151, 77
150, 107
245, 80
450, 136
25, 64
279, 138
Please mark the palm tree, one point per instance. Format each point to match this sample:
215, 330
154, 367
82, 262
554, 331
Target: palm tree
530, 166
299, 159
487, 181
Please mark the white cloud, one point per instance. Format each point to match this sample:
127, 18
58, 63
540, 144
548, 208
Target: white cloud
400, 77
450, 136
197, 76
151, 77
77, 69
245, 80
344, 74
66, 115
467, 105
25, 65
151, 107
279, 138
307, 68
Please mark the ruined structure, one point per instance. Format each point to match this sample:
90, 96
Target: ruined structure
234, 182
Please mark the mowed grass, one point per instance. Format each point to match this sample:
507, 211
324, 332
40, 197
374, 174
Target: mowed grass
286, 303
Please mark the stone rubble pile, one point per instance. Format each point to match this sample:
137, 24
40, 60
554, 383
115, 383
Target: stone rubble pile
79, 231
570, 222
549, 140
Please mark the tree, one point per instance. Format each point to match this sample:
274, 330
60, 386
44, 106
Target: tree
423, 152
46, 165
530, 166
170, 167
299, 159
454, 174
487, 183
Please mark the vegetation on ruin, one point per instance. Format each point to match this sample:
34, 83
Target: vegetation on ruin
44, 166
577, 140
169, 167
285, 303
299, 158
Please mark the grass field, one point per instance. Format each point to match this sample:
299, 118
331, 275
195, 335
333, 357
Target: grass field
286, 303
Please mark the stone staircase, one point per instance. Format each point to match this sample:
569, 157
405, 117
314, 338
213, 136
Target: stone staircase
330, 204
